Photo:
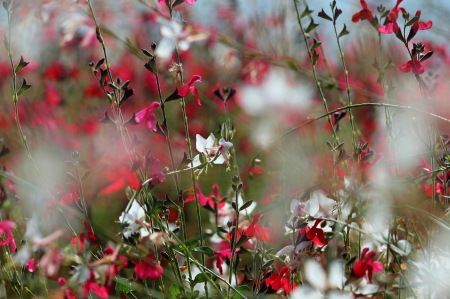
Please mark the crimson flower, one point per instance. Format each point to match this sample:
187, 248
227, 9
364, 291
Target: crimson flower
255, 229
92, 286
391, 26
148, 267
6, 227
420, 25
148, 116
224, 253
313, 234
88, 236
207, 200
280, 281
413, 66
364, 14
365, 264
189, 87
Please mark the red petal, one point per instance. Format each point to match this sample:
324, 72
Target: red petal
355, 18
425, 25
405, 68
196, 95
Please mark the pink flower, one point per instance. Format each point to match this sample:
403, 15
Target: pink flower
420, 25
366, 265
184, 90
414, 67
391, 26
148, 116
207, 200
6, 227
364, 14
148, 267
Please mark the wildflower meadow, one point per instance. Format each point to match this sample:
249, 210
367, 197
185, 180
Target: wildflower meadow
224, 149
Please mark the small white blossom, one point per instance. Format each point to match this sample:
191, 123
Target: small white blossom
133, 220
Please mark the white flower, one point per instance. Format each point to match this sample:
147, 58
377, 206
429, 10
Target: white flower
206, 147
133, 221
174, 34
321, 283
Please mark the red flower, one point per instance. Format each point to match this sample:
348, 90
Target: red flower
120, 179
414, 67
6, 227
184, 90
365, 264
420, 25
92, 286
391, 26
314, 234
148, 116
255, 229
148, 267
207, 200
364, 14
88, 235
281, 280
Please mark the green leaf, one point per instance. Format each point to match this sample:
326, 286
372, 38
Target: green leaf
315, 45
412, 21
22, 64
123, 285
204, 249
343, 32
315, 58
23, 88
311, 26
99, 63
242, 289
246, 205
322, 14
174, 290
306, 12
202, 277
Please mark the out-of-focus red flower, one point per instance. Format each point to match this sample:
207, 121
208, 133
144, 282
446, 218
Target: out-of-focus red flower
364, 14
6, 227
255, 229
146, 115
50, 262
88, 236
148, 267
365, 264
189, 87
224, 253
66, 198
92, 286
415, 67
120, 179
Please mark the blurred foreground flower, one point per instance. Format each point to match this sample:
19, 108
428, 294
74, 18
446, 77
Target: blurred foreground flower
175, 35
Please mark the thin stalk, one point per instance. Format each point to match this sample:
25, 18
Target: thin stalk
188, 141
319, 88
233, 245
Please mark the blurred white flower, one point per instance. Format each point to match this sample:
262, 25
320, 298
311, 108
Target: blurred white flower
323, 285
133, 221
174, 34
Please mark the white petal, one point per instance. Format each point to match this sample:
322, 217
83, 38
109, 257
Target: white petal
184, 45
285, 251
339, 295
196, 161
165, 48
315, 275
305, 292
200, 143
312, 206
302, 245
404, 246
219, 160
336, 274
210, 141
